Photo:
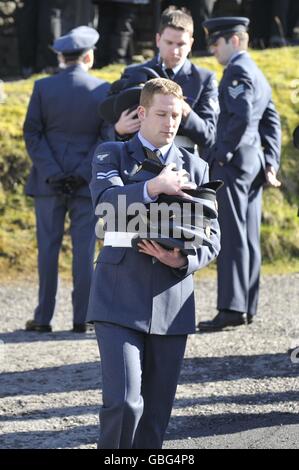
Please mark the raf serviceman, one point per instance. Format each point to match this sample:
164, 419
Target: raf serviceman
61, 131
246, 156
142, 302
200, 108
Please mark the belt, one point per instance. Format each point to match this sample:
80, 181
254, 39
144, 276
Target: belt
119, 239
188, 232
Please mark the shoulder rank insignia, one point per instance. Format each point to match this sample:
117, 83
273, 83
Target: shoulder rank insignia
109, 174
236, 90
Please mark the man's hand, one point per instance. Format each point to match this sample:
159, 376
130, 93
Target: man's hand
72, 183
170, 182
66, 183
56, 182
271, 179
186, 110
128, 123
172, 258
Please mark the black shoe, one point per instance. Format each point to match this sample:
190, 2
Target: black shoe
224, 318
79, 328
31, 325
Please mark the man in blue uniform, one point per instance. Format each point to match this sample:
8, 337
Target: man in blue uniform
245, 156
61, 131
200, 108
142, 302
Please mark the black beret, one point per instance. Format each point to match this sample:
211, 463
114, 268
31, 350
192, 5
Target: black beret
125, 94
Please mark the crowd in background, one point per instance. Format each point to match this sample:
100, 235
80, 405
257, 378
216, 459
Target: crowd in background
274, 23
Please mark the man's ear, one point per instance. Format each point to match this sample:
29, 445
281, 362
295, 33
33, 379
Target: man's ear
235, 40
87, 58
61, 59
141, 111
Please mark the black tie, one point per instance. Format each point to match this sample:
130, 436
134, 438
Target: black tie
170, 73
153, 154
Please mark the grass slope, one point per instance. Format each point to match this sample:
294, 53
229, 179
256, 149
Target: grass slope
280, 234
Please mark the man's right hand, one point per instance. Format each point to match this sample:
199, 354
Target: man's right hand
128, 123
57, 182
171, 182
66, 184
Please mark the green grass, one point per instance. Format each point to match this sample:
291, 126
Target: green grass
280, 228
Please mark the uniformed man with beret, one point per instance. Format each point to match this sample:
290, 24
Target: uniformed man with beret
142, 301
245, 156
61, 131
200, 108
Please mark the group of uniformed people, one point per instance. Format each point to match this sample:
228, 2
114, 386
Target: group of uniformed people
142, 301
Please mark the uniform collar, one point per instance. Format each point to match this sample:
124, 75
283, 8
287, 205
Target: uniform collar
74, 67
174, 69
173, 155
145, 143
182, 69
236, 56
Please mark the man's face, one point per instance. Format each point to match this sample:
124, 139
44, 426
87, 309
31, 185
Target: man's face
223, 50
160, 122
174, 46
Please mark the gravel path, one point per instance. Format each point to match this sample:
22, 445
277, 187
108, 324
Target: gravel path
238, 389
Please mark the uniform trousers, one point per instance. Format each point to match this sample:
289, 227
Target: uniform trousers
50, 218
140, 374
239, 261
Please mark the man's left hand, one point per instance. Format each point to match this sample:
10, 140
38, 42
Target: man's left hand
72, 183
186, 110
172, 258
271, 179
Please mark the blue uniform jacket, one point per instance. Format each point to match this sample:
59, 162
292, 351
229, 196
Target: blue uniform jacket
248, 125
128, 288
201, 91
62, 127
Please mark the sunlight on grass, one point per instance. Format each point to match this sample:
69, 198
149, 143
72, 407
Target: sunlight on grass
280, 229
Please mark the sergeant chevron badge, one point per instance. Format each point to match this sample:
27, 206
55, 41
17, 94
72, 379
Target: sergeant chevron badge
236, 90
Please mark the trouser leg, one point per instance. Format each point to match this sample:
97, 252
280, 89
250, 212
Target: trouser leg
26, 22
48, 27
163, 358
279, 18
233, 259
121, 351
50, 215
253, 235
260, 21
107, 12
121, 39
82, 231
